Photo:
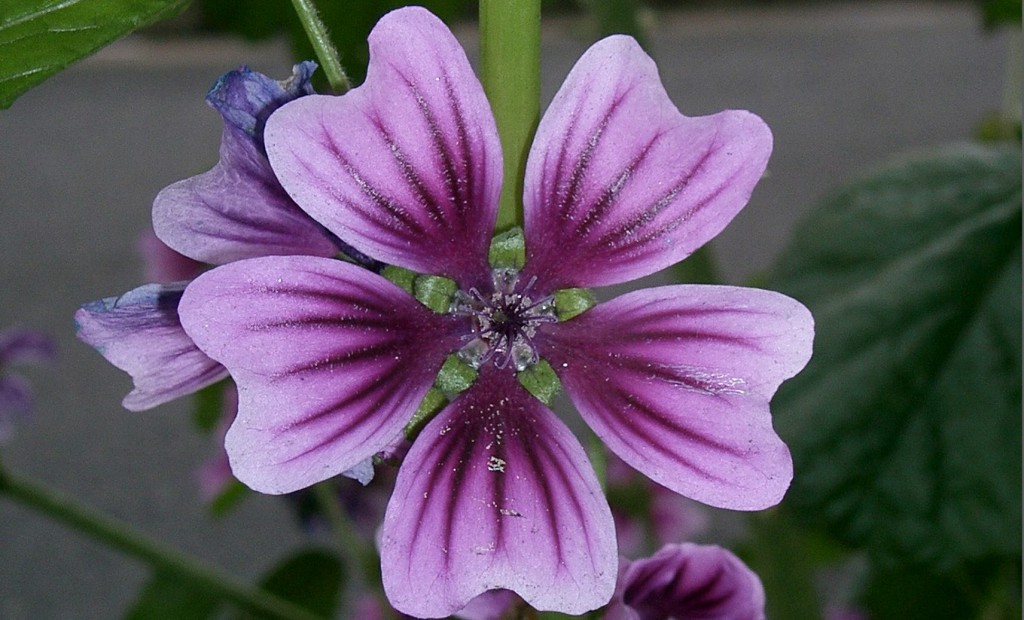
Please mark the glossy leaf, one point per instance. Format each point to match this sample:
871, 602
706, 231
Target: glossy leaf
40, 37
905, 427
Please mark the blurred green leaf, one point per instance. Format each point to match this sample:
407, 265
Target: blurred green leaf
997, 12
228, 499
40, 37
905, 427
168, 597
985, 591
311, 578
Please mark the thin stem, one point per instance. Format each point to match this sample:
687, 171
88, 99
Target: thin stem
349, 539
326, 53
114, 534
510, 66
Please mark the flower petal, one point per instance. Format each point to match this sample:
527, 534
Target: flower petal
330, 360
697, 582
676, 381
140, 333
620, 184
238, 209
496, 493
407, 167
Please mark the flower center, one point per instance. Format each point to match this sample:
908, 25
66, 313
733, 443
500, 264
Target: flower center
504, 322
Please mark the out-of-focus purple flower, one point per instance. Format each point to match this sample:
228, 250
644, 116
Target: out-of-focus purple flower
687, 582
236, 210
19, 346
332, 360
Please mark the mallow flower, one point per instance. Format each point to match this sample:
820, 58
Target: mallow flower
687, 582
235, 210
332, 360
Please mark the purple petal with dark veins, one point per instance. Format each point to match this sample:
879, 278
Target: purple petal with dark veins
696, 582
140, 333
496, 493
238, 209
677, 380
407, 167
331, 361
619, 184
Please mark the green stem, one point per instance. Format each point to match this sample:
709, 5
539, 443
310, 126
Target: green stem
103, 529
351, 542
326, 53
510, 66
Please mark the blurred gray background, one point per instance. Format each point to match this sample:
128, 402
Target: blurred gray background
843, 87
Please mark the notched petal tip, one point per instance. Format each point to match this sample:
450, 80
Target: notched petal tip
620, 184
496, 493
331, 361
406, 167
677, 382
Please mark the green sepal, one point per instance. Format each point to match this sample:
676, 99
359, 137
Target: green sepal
571, 302
432, 404
541, 381
400, 277
508, 250
455, 376
435, 292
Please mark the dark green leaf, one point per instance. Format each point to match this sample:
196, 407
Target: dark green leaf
40, 37
311, 579
168, 597
987, 591
905, 427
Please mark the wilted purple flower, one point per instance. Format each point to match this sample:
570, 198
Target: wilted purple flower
19, 346
332, 360
687, 582
236, 210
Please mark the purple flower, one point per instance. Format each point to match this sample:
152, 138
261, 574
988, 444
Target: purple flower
332, 360
236, 210
19, 346
695, 582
